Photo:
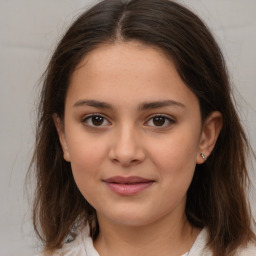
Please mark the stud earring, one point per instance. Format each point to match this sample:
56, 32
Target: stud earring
203, 156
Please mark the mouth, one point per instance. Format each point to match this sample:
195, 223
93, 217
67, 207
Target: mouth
128, 186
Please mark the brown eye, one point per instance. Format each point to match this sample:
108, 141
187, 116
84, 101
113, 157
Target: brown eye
96, 121
159, 120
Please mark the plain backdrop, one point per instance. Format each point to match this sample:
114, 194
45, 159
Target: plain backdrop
29, 30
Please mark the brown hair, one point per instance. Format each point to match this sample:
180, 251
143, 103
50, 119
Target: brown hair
216, 198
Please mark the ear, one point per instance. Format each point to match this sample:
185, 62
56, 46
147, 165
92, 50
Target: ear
209, 135
60, 129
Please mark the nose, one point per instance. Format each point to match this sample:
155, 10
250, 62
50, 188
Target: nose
126, 149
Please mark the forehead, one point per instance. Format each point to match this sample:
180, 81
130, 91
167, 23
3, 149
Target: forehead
119, 55
128, 70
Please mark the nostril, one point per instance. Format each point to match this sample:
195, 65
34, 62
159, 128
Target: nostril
135, 161
115, 160
126, 163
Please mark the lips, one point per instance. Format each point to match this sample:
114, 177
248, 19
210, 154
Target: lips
127, 186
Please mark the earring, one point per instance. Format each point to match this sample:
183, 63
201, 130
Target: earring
203, 156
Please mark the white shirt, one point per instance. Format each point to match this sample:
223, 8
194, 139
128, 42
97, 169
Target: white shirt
83, 246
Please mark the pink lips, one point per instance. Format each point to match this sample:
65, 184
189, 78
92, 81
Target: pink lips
127, 186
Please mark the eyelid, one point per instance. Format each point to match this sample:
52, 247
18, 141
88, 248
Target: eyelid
87, 117
170, 119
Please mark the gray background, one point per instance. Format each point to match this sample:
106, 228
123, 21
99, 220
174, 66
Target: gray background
29, 30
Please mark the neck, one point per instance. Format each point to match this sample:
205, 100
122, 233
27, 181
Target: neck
164, 237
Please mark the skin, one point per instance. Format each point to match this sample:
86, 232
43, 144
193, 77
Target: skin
128, 141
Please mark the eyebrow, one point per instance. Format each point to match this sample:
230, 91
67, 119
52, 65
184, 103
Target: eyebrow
142, 106
160, 104
93, 103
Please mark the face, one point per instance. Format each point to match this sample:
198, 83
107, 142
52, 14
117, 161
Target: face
132, 132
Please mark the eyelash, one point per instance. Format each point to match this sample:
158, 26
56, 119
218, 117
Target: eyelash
89, 117
87, 120
166, 118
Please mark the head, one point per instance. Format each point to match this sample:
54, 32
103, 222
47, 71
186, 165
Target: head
179, 36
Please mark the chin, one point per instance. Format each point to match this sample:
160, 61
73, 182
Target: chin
132, 218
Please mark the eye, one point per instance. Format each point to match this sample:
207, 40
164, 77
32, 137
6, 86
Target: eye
160, 121
95, 120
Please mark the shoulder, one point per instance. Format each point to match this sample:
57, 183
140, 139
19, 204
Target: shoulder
248, 250
58, 252
72, 248
201, 248
82, 245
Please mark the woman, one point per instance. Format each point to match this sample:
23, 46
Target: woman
139, 148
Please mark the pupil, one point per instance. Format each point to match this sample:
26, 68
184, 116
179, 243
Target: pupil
97, 120
159, 121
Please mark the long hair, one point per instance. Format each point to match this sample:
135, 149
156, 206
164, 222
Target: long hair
216, 198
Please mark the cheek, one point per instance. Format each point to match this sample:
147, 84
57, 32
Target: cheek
85, 168
177, 170
176, 150
86, 152
175, 175
176, 160
86, 157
